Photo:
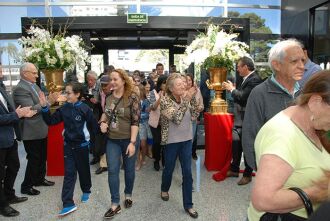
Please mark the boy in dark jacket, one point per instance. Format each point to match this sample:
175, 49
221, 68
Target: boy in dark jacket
79, 125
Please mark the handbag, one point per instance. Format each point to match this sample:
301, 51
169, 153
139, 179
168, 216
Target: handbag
289, 216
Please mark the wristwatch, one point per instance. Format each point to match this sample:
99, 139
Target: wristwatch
133, 142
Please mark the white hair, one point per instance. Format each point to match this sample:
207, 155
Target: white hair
278, 51
92, 74
24, 67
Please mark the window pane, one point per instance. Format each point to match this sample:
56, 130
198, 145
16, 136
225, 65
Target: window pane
268, 18
256, 2
12, 16
182, 11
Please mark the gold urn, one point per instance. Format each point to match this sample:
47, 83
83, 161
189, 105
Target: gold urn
54, 80
217, 77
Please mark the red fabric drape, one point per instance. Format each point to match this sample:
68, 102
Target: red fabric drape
55, 156
218, 141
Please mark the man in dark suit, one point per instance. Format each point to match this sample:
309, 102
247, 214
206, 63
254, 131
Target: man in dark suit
33, 131
245, 68
9, 161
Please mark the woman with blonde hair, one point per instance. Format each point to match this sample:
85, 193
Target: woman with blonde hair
177, 108
121, 123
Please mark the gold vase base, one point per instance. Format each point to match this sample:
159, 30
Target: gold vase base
219, 106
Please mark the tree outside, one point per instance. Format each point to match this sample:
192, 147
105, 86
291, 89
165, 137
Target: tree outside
258, 48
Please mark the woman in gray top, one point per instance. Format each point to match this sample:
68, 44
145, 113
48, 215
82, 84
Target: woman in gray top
177, 108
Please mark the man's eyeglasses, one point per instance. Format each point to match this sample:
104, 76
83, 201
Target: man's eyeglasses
32, 72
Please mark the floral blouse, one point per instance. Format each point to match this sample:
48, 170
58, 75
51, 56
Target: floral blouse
122, 115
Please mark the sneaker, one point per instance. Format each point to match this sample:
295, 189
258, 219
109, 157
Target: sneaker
85, 197
67, 210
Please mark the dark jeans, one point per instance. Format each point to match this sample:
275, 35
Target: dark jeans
237, 153
194, 144
171, 152
156, 147
75, 160
9, 166
116, 148
36, 154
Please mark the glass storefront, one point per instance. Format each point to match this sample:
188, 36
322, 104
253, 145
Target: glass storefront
321, 35
12, 11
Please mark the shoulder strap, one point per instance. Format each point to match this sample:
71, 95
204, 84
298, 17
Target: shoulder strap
304, 197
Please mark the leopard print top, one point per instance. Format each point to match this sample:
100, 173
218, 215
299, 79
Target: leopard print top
168, 112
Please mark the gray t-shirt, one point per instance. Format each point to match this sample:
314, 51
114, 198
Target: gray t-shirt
183, 131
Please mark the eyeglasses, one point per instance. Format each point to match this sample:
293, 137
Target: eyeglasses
137, 80
32, 72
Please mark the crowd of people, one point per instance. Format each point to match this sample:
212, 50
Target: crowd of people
281, 125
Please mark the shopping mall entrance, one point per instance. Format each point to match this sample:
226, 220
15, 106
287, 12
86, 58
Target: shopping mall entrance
104, 33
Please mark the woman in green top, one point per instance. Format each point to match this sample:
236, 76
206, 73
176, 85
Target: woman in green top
291, 152
121, 123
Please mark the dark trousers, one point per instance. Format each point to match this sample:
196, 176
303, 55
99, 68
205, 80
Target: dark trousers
237, 153
183, 151
156, 147
75, 159
100, 145
9, 166
36, 155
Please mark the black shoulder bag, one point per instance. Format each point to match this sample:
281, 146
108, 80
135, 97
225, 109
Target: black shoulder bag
289, 216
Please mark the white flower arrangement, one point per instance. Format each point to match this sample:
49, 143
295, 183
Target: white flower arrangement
49, 51
216, 48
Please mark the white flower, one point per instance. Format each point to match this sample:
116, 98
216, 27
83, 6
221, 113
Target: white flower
215, 43
56, 52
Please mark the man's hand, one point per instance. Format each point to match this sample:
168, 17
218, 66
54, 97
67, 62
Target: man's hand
42, 99
228, 85
53, 97
25, 111
93, 100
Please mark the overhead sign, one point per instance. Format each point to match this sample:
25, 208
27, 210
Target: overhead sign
137, 18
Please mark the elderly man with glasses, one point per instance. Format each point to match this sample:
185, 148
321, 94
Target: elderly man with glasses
33, 131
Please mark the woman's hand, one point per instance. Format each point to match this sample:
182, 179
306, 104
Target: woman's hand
130, 151
104, 127
190, 93
319, 191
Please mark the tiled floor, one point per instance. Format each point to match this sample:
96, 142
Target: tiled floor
223, 201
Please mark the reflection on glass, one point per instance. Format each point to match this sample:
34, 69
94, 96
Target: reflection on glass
321, 36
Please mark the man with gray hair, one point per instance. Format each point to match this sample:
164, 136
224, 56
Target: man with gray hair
286, 59
91, 99
33, 130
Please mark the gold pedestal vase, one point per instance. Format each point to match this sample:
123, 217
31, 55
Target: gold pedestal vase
54, 80
217, 77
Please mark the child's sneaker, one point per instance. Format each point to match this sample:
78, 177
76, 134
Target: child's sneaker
85, 197
67, 210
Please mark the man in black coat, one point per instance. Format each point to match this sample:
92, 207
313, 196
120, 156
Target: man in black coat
9, 161
246, 69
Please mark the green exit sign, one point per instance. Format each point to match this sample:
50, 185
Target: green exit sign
137, 18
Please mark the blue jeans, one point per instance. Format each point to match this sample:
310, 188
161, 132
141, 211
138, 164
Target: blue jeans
171, 152
115, 149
